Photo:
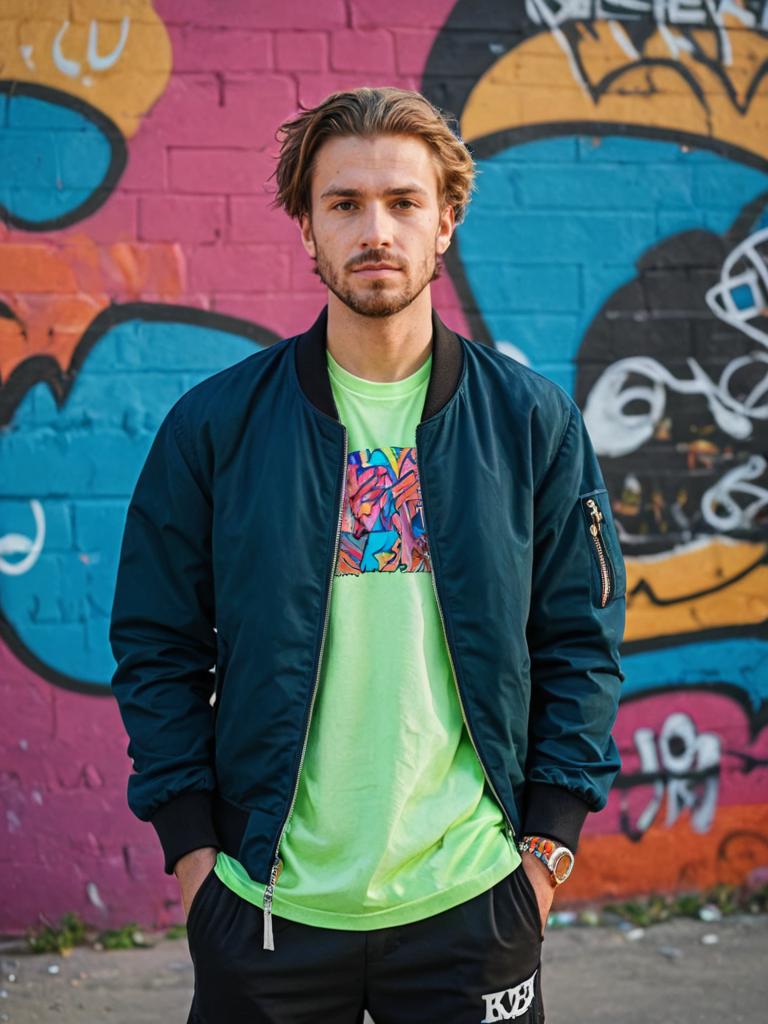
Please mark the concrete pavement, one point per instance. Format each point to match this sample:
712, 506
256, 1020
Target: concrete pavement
597, 975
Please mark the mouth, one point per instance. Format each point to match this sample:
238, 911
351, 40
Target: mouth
377, 270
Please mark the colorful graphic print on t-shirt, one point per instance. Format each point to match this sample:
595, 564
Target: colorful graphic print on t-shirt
383, 524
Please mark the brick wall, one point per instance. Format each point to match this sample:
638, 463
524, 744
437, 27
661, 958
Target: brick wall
615, 239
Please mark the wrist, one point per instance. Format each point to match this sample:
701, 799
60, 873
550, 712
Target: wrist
539, 870
192, 862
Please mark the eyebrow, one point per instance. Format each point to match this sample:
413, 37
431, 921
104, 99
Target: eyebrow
356, 193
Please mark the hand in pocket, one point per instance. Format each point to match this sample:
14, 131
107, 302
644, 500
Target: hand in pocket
191, 870
542, 890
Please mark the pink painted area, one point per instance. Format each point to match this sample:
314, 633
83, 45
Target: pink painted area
743, 775
284, 318
116, 221
429, 14
66, 824
257, 268
363, 50
301, 51
313, 88
298, 14
253, 219
412, 48
220, 171
204, 110
197, 48
146, 169
192, 219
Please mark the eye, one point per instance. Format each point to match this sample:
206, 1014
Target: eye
344, 202
410, 202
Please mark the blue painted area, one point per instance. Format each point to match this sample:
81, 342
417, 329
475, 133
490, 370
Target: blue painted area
53, 159
556, 227
589, 210
81, 463
743, 296
741, 662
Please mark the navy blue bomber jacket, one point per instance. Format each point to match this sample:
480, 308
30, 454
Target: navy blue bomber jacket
224, 582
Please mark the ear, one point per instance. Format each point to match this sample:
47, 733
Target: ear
305, 226
445, 229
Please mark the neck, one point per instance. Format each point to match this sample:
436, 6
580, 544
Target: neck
382, 349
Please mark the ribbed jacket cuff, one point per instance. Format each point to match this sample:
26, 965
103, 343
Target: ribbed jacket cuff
184, 824
554, 812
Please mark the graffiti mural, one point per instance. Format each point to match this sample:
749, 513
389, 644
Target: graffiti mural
618, 244
86, 374
107, 315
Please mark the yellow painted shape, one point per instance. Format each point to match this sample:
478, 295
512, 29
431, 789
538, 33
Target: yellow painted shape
49, 43
534, 84
721, 583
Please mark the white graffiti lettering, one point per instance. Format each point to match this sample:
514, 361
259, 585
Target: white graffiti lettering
679, 758
741, 295
16, 544
72, 68
684, 13
672, 12
615, 433
720, 509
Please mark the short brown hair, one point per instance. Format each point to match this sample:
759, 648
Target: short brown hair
366, 112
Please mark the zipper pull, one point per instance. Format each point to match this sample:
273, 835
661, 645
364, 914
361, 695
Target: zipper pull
595, 530
597, 517
269, 940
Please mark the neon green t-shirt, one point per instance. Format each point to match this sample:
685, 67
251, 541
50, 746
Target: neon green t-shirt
393, 821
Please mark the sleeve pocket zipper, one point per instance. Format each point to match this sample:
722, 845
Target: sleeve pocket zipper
595, 519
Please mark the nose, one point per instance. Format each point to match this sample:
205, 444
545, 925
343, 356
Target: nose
376, 227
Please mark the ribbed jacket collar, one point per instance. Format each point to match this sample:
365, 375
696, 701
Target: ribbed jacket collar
312, 366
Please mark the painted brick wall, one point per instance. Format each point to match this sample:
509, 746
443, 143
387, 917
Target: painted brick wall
617, 242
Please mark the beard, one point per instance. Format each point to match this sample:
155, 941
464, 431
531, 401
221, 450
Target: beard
379, 298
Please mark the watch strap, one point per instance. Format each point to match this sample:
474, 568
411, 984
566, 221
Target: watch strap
544, 848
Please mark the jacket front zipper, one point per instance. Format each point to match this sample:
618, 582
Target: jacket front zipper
277, 866
510, 826
595, 529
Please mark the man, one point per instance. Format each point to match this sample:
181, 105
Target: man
366, 623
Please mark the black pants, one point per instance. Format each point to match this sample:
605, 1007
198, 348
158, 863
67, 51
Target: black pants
477, 962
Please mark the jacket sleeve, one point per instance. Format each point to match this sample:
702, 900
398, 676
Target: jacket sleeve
163, 640
575, 626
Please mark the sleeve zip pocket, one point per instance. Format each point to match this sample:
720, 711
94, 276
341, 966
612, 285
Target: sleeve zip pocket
601, 544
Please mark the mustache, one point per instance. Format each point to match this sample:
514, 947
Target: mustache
373, 256
438, 271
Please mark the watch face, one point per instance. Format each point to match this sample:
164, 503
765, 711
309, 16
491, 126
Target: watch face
562, 864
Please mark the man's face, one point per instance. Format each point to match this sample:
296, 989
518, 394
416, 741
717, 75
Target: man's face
375, 200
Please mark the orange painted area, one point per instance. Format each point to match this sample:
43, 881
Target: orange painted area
670, 859
534, 84
55, 291
727, 576
114, 55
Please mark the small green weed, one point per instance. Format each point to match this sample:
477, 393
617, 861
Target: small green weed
72, 931
69, 933
656, 907
129, 936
